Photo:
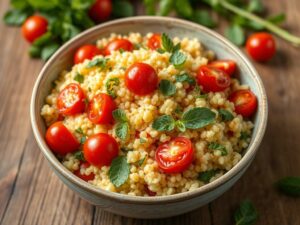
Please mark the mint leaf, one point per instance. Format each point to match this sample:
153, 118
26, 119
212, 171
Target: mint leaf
204, 18
82, 140
289, 186
198, 117
119, 171
167, 43
79, 78
180, 126
236, 34
207, 175
119, 115
43, 40
110, 84
79, 155
185, 78
122, 130
164, 123
218, 147
177, 59
226, 115
246, 214
99, 62
167, 88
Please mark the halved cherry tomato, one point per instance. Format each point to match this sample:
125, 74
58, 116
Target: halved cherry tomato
261, 46
71, 100
100, 149
212, 79
100, 109
84, 165
141, 79
60, 140
118, 44
244, 101
101, 10
228, 66
86, 52
154, 42
175, 156
34, 27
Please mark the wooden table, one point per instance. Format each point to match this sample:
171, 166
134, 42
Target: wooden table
30, 193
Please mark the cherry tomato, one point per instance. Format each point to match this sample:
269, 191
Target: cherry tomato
71, 100
228, 66
118, 44
86, 52
175, 156
141, 79
100, 149
213, 79
34, 27
60, 140
84, 165
154, 42
101, 10
244, 101
261, 46
100, 109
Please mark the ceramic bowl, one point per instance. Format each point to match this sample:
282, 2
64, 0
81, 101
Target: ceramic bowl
149, 207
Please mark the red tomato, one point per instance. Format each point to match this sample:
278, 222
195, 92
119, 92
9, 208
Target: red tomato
141, 79
118, 44
86, 52
244, 101
154, 42
34, 27
261, 46
71, 100
100, 109
148, 191
175, 156
84, 165
101, 10
228, 66
60, 140
100, 149
212, 79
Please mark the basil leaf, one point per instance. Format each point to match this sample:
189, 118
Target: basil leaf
99, 62
79, 78
177, 59
167, 43
204, 18
207, 175
150, 6
110, 84
35, 51
49, 50
289, 186
122, 130
79, 155
180, 125
198, 117
43, 40
119, 115
236, 34
218, 147
119, 171
16, 17
44, 5
246, 214
165, 7
255, 6
226, 115
81, 4
185, 78
184, 8
164, 123
122, 9
167, 88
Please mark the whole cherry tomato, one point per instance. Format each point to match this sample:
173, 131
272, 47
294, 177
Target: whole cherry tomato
244, 101
60, 140
100, 149
175, 156
228, 66
84, 165
213, 79
261, 46
86, 52
34, 27
154, 42
101, 10
117, 45
141, 79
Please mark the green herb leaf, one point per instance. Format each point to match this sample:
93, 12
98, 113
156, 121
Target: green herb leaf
198, 117
218, 147
289, 186
184, 8
81, 4
19, 4
246, 214
79, 155
185, 78
207, 175
160, 50
177, 59
16, 17
43, 40
226, 115
125, 150
165, 7
69, 31
44, 5
164, 123
122, 130
120, 115
178, 110
236, 34
79, 78
82, 140
119, 171
167, 88
202, 96
255, 6
245, 136
141, 161
180, 126
49, 50
35, 51
99, 62
122, 9
79, 131
277, 19
167, 43
150, 6
204, 18
110, 84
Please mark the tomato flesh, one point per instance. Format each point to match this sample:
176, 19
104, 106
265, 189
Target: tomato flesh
60, 140
245, 102
34, 27
84, 165
86, 52
101, 10
117, 45
141, 79
154, 42
228, 66
100, 109
100, 149
212, 79
261, 46
175, 156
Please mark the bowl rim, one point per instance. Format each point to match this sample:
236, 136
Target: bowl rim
117, 197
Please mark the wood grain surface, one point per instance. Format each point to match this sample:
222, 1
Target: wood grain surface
30, 193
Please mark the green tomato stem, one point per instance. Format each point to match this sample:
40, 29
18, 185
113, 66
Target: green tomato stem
268, 25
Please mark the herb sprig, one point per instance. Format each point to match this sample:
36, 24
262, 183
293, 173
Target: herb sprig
122, 126
246, 214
